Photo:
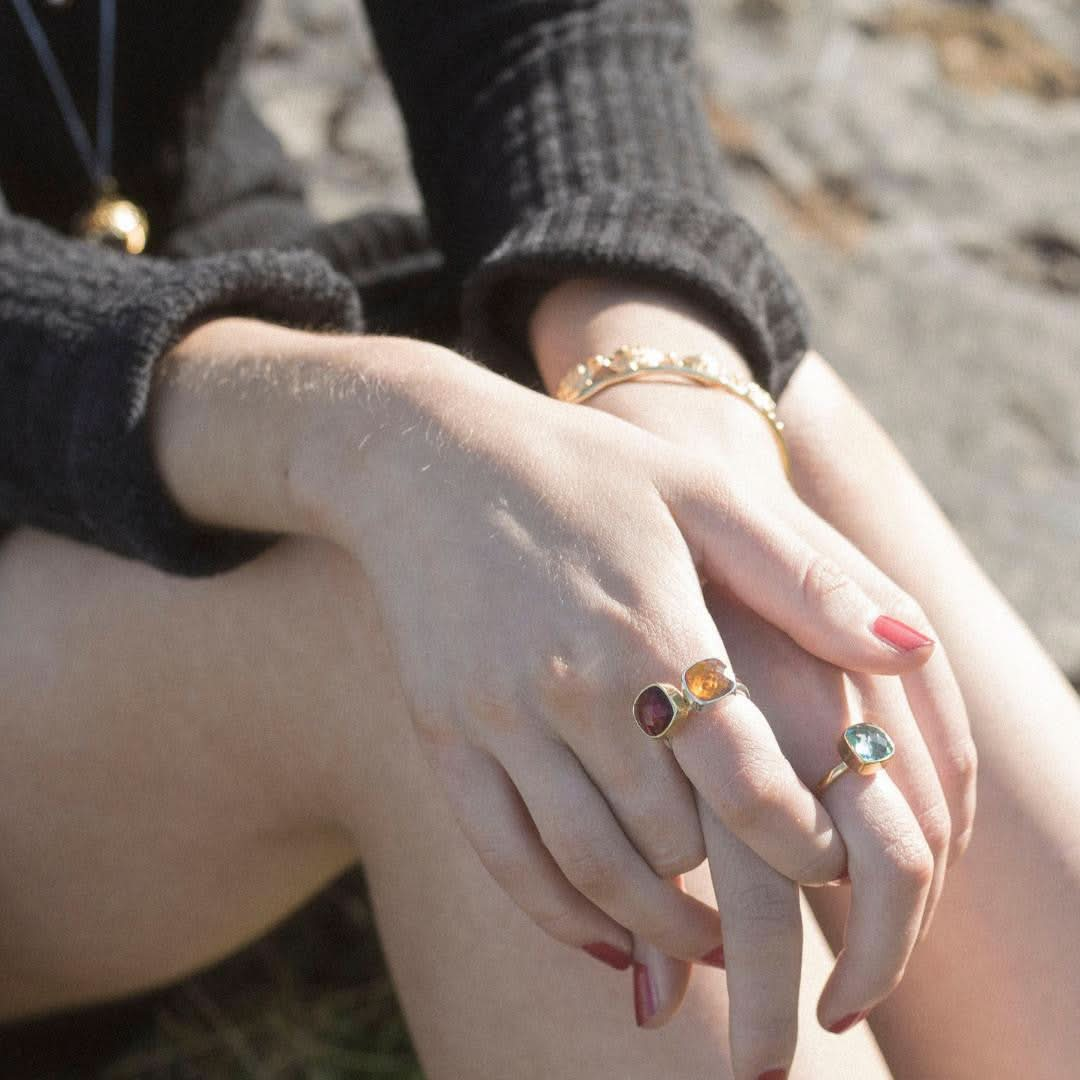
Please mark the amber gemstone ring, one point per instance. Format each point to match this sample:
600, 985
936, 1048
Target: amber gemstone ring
660, 706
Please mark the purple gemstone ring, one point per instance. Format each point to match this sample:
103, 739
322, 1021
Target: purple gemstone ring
658, 708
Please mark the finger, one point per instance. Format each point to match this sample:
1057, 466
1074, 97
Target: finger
938, 706
882, 702
592, 851
759, 557
763, 950
932, 691
647, 792
497, 824
808, 698
660, 981
727, 750
891, 870
731, 756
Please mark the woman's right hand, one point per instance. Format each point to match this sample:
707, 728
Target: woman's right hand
535, 564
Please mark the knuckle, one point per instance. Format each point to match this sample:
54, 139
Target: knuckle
963, 763
671, 862
936, 824
560, 680
750, 797
911, 863
617, 646
824, 582
821, 868
770, 906
588, 869
665, 828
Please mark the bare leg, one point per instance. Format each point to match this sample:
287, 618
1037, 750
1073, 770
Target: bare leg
995, 989
186, 761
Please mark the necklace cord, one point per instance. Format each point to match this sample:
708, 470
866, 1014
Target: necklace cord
98, 163
106, 85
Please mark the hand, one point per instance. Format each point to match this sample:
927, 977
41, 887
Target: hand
889, 863
533, 565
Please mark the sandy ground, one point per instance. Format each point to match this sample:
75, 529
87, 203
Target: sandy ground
916, 165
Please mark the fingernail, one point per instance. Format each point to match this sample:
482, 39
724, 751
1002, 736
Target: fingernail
846, 1022
899, 635
608, 954
843, 879
774, 1074
644, 996
714, 957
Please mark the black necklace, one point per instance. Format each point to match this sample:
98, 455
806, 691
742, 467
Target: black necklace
112, 220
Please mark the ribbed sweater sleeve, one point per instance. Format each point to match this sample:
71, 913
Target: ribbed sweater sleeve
553, 138
80, 330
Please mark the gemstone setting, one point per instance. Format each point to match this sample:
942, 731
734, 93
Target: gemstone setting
707, 681
656, 709
866, 747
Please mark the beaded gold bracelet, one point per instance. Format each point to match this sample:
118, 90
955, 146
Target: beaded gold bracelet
638, 362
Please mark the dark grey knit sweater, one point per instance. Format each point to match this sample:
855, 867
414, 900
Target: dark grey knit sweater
550, 138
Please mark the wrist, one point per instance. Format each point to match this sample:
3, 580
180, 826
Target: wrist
263, 428
353, 471
579, 318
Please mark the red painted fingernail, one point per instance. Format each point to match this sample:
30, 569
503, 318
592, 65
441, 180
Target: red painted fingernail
846, 1022
774, 1074
644, 997
899, 635
608, 954
714, 957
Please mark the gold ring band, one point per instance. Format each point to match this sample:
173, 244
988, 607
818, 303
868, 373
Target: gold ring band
864, 748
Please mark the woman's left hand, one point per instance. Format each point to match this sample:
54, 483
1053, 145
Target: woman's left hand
807, 700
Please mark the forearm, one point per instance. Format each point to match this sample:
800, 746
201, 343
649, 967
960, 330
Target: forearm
82, 330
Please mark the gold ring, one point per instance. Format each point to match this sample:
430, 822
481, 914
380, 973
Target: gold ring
660, 707
864, 748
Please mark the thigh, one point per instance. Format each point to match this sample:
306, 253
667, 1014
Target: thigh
160, 735
187, 760
488, 994
995, 989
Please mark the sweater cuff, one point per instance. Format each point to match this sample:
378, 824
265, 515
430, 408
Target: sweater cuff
108, 482
692, 244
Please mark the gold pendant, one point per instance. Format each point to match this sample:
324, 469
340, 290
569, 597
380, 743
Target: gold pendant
118, 223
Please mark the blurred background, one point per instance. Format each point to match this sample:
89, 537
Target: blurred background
916, 165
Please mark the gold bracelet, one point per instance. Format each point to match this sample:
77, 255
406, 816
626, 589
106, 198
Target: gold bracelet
638, 362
